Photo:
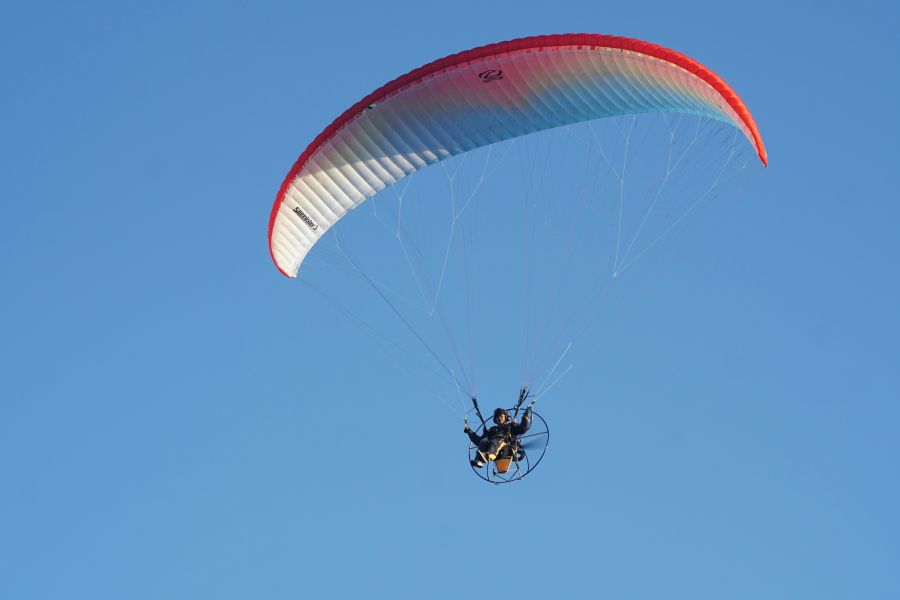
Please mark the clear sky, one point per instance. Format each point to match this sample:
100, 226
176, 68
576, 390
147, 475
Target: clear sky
169, 427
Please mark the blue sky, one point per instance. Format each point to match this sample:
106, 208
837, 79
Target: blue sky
167, 430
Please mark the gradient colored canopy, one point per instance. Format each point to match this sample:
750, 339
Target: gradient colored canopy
479, 97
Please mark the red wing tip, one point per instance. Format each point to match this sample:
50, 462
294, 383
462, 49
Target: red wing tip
285, 273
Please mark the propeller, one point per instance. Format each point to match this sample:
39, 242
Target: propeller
534, 443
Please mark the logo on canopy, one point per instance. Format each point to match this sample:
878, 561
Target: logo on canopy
490, 75
309, 222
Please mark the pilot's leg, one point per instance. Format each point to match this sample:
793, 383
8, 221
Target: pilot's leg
492, 447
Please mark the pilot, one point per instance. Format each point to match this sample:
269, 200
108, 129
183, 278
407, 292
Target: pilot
501, 436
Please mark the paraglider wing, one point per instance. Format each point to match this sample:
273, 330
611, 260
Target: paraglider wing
479, 97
